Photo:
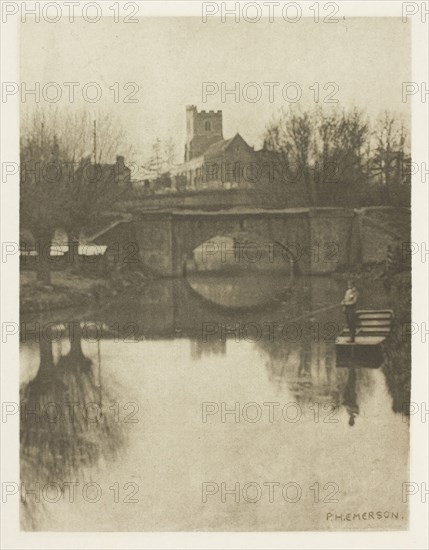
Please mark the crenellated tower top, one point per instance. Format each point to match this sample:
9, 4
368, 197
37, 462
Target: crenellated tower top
202, 129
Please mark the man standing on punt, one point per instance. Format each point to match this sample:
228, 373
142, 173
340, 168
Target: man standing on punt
349, 308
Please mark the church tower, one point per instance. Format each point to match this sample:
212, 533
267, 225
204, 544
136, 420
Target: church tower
202, 129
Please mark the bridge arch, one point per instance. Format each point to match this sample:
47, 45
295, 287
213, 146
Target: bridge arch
257, 240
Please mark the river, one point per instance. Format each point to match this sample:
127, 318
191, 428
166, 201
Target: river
209, 403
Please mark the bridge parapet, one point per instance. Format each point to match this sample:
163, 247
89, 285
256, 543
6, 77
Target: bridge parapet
208, 199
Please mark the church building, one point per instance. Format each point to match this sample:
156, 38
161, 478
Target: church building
210, 161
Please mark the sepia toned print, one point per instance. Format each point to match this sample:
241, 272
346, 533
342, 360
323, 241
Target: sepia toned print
215, 272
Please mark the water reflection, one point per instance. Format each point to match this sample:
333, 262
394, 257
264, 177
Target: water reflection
63, 431
350, 397
308, 369
153, 345
212, 346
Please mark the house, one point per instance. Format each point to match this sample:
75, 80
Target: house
117, 174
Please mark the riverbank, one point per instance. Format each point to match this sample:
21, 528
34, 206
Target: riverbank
374, 273
66, 290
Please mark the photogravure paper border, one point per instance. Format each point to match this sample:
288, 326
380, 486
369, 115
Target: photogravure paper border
416, 537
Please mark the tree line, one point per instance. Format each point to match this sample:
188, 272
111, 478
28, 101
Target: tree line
65, 181
340, 157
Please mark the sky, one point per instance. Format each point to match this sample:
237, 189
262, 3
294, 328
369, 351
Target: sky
169, 59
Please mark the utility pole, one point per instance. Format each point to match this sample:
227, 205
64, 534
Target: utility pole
42, 139
95, 142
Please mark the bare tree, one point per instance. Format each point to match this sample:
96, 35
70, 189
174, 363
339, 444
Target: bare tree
60, 187
338, 155
169, 152
389, 157
289, 137
161, 159
74, 130
340, 147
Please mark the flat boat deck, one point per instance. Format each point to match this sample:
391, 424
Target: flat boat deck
372, 328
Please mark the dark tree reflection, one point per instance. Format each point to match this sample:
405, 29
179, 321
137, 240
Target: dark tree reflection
308, 369
63, 430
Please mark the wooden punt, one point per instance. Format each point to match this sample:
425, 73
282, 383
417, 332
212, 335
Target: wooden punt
373, 326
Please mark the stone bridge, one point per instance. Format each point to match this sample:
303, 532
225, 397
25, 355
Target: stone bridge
314, 240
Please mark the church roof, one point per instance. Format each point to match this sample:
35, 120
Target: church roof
220, 146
